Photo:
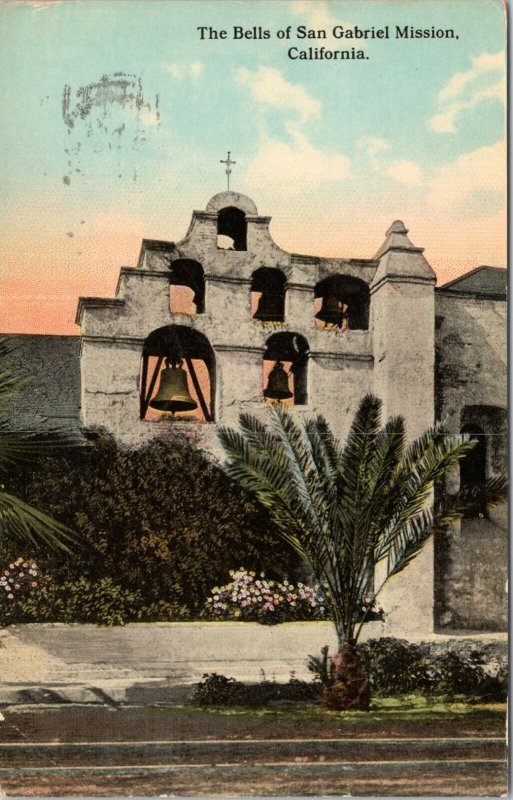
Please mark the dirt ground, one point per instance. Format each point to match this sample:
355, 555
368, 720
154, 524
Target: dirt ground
167, 751
268, 782
143, 723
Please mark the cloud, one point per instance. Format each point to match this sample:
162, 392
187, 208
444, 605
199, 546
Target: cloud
486, 62
465, 91
317, 14
196, 69
446, 122
400, 170
181, 71
269, 88
295, 165
407, 172
373, 146
458, 186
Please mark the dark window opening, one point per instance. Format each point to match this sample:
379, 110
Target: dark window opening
342, 303
187, 287
231, 225
177, 376
285, 369
268, 295
473, 467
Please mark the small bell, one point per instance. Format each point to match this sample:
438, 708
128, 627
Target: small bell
331, 311
270, 307
173, 394
278, 384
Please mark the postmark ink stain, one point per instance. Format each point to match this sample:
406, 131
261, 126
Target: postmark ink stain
113, 112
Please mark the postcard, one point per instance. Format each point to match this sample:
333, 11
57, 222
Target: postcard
253, 398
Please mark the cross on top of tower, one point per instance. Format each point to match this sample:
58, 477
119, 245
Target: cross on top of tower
228, 170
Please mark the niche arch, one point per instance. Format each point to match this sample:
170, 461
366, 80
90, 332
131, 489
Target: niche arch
170, 345
287, 352
342, 302
268, 287
186, 287
232, 229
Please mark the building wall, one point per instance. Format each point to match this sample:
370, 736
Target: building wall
472, 560
48, 368
113, 331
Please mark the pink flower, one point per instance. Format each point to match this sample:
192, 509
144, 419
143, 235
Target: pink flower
34, 583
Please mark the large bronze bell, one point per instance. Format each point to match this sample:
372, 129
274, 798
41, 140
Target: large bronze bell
173, 394
278, 384
270, 307
331, 311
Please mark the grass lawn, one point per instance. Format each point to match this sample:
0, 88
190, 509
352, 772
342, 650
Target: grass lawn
407, 706
408, 711
401, 717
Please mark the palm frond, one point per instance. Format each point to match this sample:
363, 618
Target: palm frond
344, 509
18, 447
19, 519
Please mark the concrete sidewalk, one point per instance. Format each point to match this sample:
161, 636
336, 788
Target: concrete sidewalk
147, 663
161, 662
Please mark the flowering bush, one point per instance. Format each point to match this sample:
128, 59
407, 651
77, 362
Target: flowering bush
17, 581
255, 599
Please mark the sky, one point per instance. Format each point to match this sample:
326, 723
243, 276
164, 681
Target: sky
333, 150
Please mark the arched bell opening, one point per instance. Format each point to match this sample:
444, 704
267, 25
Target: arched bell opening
268, 295
186, 287
285, 369
177, 376
342, 302
231, 229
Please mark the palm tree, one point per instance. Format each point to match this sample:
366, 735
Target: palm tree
18, 519
345, 510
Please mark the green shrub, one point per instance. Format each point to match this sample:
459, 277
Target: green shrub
321, 667
217, 690
494, 688
160, 526
396, 667
102, 602
451, 673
